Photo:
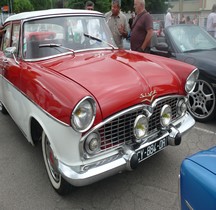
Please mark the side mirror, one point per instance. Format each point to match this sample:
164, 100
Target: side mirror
162, 46
161, 49
9, 53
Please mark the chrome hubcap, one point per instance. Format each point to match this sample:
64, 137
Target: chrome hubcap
202, 100
52, 163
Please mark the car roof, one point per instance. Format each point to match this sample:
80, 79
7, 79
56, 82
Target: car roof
40, 13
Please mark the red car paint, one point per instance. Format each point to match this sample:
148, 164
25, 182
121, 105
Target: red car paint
131, 75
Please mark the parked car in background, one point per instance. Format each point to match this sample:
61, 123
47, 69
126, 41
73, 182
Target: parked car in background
198, 181
158, 27
97, 110
39, 32
192, 44
39, 35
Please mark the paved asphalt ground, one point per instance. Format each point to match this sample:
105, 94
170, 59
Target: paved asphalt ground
24, 184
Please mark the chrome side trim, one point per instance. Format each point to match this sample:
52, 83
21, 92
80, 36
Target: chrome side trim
188, 205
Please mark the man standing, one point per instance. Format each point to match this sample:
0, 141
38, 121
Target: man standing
168, 18
211, 22
142, 28
117, 22
89, 5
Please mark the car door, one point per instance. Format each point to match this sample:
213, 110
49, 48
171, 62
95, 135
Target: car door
10, 71
5, 40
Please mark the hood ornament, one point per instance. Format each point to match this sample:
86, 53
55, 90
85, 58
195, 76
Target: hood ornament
148, 96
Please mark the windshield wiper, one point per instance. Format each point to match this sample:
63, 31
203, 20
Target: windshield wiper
53, 45
194, 50
99, 40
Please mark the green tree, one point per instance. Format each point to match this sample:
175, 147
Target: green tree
4, 2
127, 5
100, 5
42, 4
103, 5
22, 6
153, 6
76, 4
156, 6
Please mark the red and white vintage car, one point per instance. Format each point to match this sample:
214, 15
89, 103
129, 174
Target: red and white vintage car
97, 110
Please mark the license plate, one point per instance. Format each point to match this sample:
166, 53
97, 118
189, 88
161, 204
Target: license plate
151, 149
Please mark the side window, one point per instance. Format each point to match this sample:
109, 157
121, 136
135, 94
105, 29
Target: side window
6, 39
1, 35
15, 36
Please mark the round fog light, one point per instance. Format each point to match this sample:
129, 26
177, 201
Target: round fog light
182, 107
140, 127
92, 143
166, 115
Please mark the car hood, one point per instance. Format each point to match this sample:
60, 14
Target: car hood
118, 79
206, 159
201, 59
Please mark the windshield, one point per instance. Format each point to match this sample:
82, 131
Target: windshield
60, 34
191, 38
156, 25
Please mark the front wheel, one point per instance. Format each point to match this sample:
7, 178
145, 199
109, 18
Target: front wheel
58, 183
202, 101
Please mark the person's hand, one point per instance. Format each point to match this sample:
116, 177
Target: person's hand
140, 49
122, 31
146, 50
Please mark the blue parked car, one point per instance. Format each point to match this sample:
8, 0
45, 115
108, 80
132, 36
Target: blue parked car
198, 181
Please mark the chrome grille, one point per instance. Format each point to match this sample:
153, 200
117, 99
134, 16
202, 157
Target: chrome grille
120, 130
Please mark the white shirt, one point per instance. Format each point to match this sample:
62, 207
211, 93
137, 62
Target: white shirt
168, 19
210, 21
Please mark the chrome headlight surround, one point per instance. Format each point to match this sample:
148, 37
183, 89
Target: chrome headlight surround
140, 128
92, 143
191, 81
166, 115
83, 114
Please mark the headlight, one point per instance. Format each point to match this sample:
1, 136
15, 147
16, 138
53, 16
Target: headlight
92, 143
140, 127
83, 115
166, 115
191, 81
182, 107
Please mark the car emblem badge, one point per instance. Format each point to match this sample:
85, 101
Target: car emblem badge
148, 96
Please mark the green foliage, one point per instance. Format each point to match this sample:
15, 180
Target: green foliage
3, 2
100, 5
76, 4
41, 4
156, 6
127, 5
153, 6
22, 6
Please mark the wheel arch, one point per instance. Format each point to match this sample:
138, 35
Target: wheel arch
36, 131
210, 78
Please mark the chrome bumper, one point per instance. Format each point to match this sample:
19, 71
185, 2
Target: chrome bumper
126, 159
